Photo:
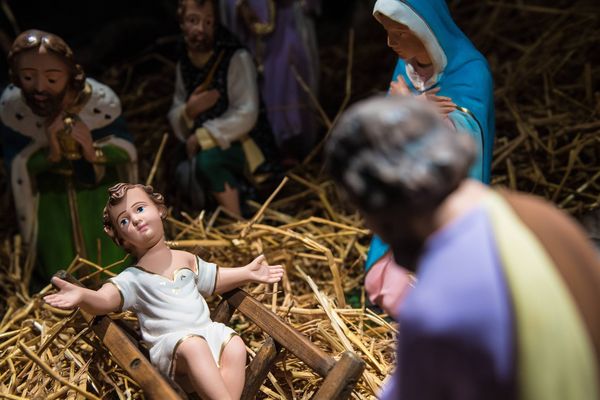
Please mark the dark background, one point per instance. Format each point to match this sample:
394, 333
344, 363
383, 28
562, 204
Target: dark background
108, 33
544, 56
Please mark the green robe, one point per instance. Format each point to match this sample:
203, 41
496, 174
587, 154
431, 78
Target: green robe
40, 187
55, 243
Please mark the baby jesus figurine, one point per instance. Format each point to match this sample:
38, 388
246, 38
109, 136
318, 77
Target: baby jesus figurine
165, 288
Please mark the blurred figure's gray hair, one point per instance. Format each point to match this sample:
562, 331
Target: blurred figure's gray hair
389, 152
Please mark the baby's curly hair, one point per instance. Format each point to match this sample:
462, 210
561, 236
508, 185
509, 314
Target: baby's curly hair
115, 196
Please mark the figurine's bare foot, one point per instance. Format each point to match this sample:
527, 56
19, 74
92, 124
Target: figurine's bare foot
230, 200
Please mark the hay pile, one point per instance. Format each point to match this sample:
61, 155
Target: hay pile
46, 353
546, 69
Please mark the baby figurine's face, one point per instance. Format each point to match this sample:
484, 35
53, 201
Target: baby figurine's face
137, 221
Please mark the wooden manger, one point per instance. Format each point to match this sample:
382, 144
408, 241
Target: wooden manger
340, 377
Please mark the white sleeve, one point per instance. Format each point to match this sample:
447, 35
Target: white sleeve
176, 113
206, 280
124, 282
242, 92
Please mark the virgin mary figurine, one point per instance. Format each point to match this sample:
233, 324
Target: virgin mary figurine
438, 61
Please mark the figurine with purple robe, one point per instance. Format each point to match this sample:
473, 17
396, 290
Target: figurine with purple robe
505, 305
281, 38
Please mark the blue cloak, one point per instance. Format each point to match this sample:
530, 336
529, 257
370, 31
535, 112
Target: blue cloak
463, 75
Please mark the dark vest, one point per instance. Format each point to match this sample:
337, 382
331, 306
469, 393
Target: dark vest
228, 44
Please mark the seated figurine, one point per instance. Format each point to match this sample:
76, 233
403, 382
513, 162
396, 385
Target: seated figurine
165, 288
216, 109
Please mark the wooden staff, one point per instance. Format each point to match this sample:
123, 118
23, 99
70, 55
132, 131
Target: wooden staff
75, 221
71, 150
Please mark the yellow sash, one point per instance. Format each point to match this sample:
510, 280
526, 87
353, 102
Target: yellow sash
254, 156
555, 356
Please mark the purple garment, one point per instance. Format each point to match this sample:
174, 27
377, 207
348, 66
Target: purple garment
456, 337
292, 43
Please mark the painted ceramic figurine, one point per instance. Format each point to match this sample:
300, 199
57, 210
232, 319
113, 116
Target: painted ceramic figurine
435, 57
165, 288
64, 143
506, 304
215, 107
281, 36
439, 64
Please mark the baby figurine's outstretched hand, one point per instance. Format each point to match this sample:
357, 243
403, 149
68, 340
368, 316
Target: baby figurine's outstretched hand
97, 302
68, 297
261, 271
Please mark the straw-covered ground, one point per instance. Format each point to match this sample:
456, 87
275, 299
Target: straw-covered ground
546, 69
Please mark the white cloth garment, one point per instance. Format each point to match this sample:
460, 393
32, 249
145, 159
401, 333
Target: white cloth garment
172, 310
242, 113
